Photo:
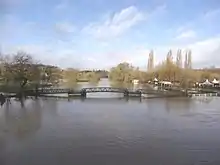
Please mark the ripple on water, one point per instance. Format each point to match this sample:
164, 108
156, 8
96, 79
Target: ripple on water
95, 131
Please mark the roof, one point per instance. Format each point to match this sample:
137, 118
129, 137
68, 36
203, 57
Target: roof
207, 82
215, 81
166, 82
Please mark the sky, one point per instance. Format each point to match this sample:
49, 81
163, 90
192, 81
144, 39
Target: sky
100, 34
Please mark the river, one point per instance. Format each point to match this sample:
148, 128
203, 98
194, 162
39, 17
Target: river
102, 83
175, 131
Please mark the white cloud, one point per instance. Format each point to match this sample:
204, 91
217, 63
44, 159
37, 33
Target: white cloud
207, 50
201, 22
186, 34
90, 59
182, 28
204, 53
39, 52
65, 27
59, 56
212, 13
116, 25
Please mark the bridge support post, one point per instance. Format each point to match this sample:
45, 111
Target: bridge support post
69, 93
126, 93
140, 94
36, 91
83, 93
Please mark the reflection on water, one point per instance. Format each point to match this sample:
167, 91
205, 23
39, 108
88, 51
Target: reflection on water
110, 131
22, 120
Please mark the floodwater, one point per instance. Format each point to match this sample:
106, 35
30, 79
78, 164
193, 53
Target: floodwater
102, 83
111, 131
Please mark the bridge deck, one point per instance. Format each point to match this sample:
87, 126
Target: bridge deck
106, 89
159, 92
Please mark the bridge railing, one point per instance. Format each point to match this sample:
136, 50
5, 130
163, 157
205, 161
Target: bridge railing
69, 90
104, 89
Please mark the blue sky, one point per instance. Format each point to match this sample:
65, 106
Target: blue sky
102, 33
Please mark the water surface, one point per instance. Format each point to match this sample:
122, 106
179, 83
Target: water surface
111, 132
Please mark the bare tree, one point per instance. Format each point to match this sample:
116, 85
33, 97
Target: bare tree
189, 60
169, 57
150, 64
179, 58
20, 69
186, 61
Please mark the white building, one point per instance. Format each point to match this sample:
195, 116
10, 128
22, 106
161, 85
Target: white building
155, 81
207, 83
135, 81
165, 83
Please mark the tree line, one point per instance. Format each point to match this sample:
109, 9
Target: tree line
125, 73
168, 70
23, 71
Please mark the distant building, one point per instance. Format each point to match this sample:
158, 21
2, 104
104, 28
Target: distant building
135, 81
206, 83
155, 81
216, 83
165, 83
